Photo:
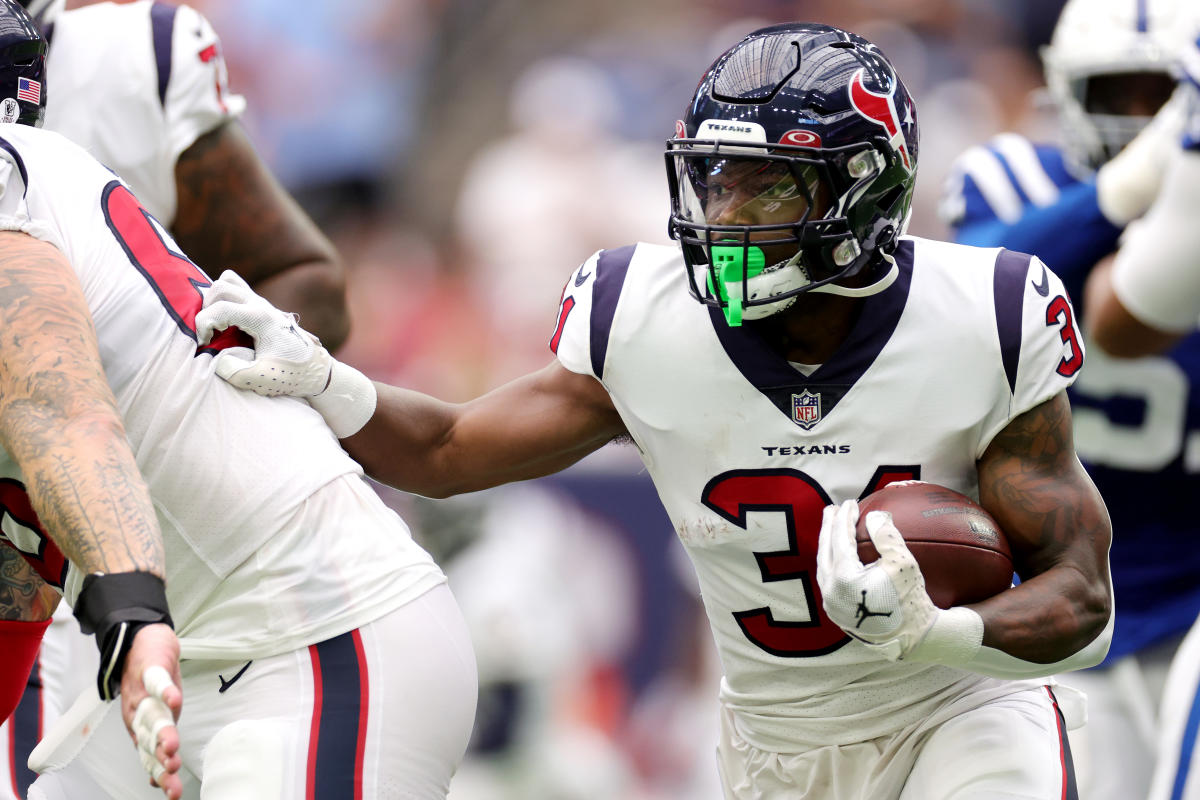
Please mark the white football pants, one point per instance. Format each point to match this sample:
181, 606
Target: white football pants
1012, 747
383, 712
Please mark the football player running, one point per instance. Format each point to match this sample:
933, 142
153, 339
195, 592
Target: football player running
153, 496
794, 353
1109, 70
143, 87
1147, 301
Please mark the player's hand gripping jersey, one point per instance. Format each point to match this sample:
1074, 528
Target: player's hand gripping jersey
135, 85
1137, 423
242, 556
745, 488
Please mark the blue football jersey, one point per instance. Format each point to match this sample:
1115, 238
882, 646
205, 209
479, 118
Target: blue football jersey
1137, 423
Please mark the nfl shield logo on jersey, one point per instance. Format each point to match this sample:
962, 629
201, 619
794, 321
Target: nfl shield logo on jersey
806, 409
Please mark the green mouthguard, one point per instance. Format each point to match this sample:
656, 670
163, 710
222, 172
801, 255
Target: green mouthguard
734, 264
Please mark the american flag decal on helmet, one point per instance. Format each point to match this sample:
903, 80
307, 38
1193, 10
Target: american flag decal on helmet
881, 109
29, 90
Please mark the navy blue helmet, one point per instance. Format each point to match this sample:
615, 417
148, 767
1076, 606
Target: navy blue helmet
43, 12
793, 170
22, 67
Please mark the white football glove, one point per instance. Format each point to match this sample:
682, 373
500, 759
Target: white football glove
884, 604
286, 360
1127, 184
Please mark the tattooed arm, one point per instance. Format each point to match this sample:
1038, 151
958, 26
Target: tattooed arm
1057, 525
59, 421
233, 214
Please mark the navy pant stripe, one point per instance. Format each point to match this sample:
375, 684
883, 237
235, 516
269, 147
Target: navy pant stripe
1186, 748
25, 729
334, 769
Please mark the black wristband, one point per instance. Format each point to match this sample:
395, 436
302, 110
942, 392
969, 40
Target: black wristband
115, 607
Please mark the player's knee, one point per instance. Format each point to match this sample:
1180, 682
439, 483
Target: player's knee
246, 760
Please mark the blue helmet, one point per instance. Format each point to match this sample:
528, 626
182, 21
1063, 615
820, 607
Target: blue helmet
22, 67
793, 170
43, 12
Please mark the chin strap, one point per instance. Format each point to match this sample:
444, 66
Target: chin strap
863, 291
737, 267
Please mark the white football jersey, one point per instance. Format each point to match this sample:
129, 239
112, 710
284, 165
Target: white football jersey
273, 539
746, 451
135, 85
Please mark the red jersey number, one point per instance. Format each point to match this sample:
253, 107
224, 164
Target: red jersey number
800, 500
174, 278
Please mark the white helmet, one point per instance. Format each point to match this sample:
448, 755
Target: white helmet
1095, 38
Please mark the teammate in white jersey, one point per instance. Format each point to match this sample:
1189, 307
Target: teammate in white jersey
143, 87
297, 596
827, 356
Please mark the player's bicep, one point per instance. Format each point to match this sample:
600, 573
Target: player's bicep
49, 356
1031, 481
233, 213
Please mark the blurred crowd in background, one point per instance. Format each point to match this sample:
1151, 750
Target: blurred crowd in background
466, 156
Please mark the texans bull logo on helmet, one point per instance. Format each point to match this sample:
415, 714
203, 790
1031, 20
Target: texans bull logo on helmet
881, 109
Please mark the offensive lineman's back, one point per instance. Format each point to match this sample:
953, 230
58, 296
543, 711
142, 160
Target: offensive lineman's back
197, 439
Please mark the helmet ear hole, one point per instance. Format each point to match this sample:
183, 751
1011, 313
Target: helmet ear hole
888, 201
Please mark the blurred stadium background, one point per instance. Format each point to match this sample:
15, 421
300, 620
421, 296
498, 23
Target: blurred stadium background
466, 156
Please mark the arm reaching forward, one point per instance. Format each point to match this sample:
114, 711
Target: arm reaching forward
535, 425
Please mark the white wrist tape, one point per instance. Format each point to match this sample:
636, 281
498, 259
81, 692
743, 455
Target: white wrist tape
954, 639
347, 402
151, 717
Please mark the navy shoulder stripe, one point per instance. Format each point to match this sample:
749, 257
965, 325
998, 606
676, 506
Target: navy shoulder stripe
611, 268
162, 24
20, 164
1008, 289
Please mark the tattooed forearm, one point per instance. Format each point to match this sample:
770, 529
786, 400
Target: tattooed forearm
233, 214
1033, 484
59, 421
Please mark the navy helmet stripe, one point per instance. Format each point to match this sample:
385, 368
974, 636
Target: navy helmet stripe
334, 769
162, 25
1143, 23
12, 151
611, 268
1008, 289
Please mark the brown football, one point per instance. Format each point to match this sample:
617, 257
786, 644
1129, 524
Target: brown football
960, 549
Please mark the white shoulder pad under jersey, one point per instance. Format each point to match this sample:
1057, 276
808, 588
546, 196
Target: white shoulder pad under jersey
745, 451
135, 85
232, 475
